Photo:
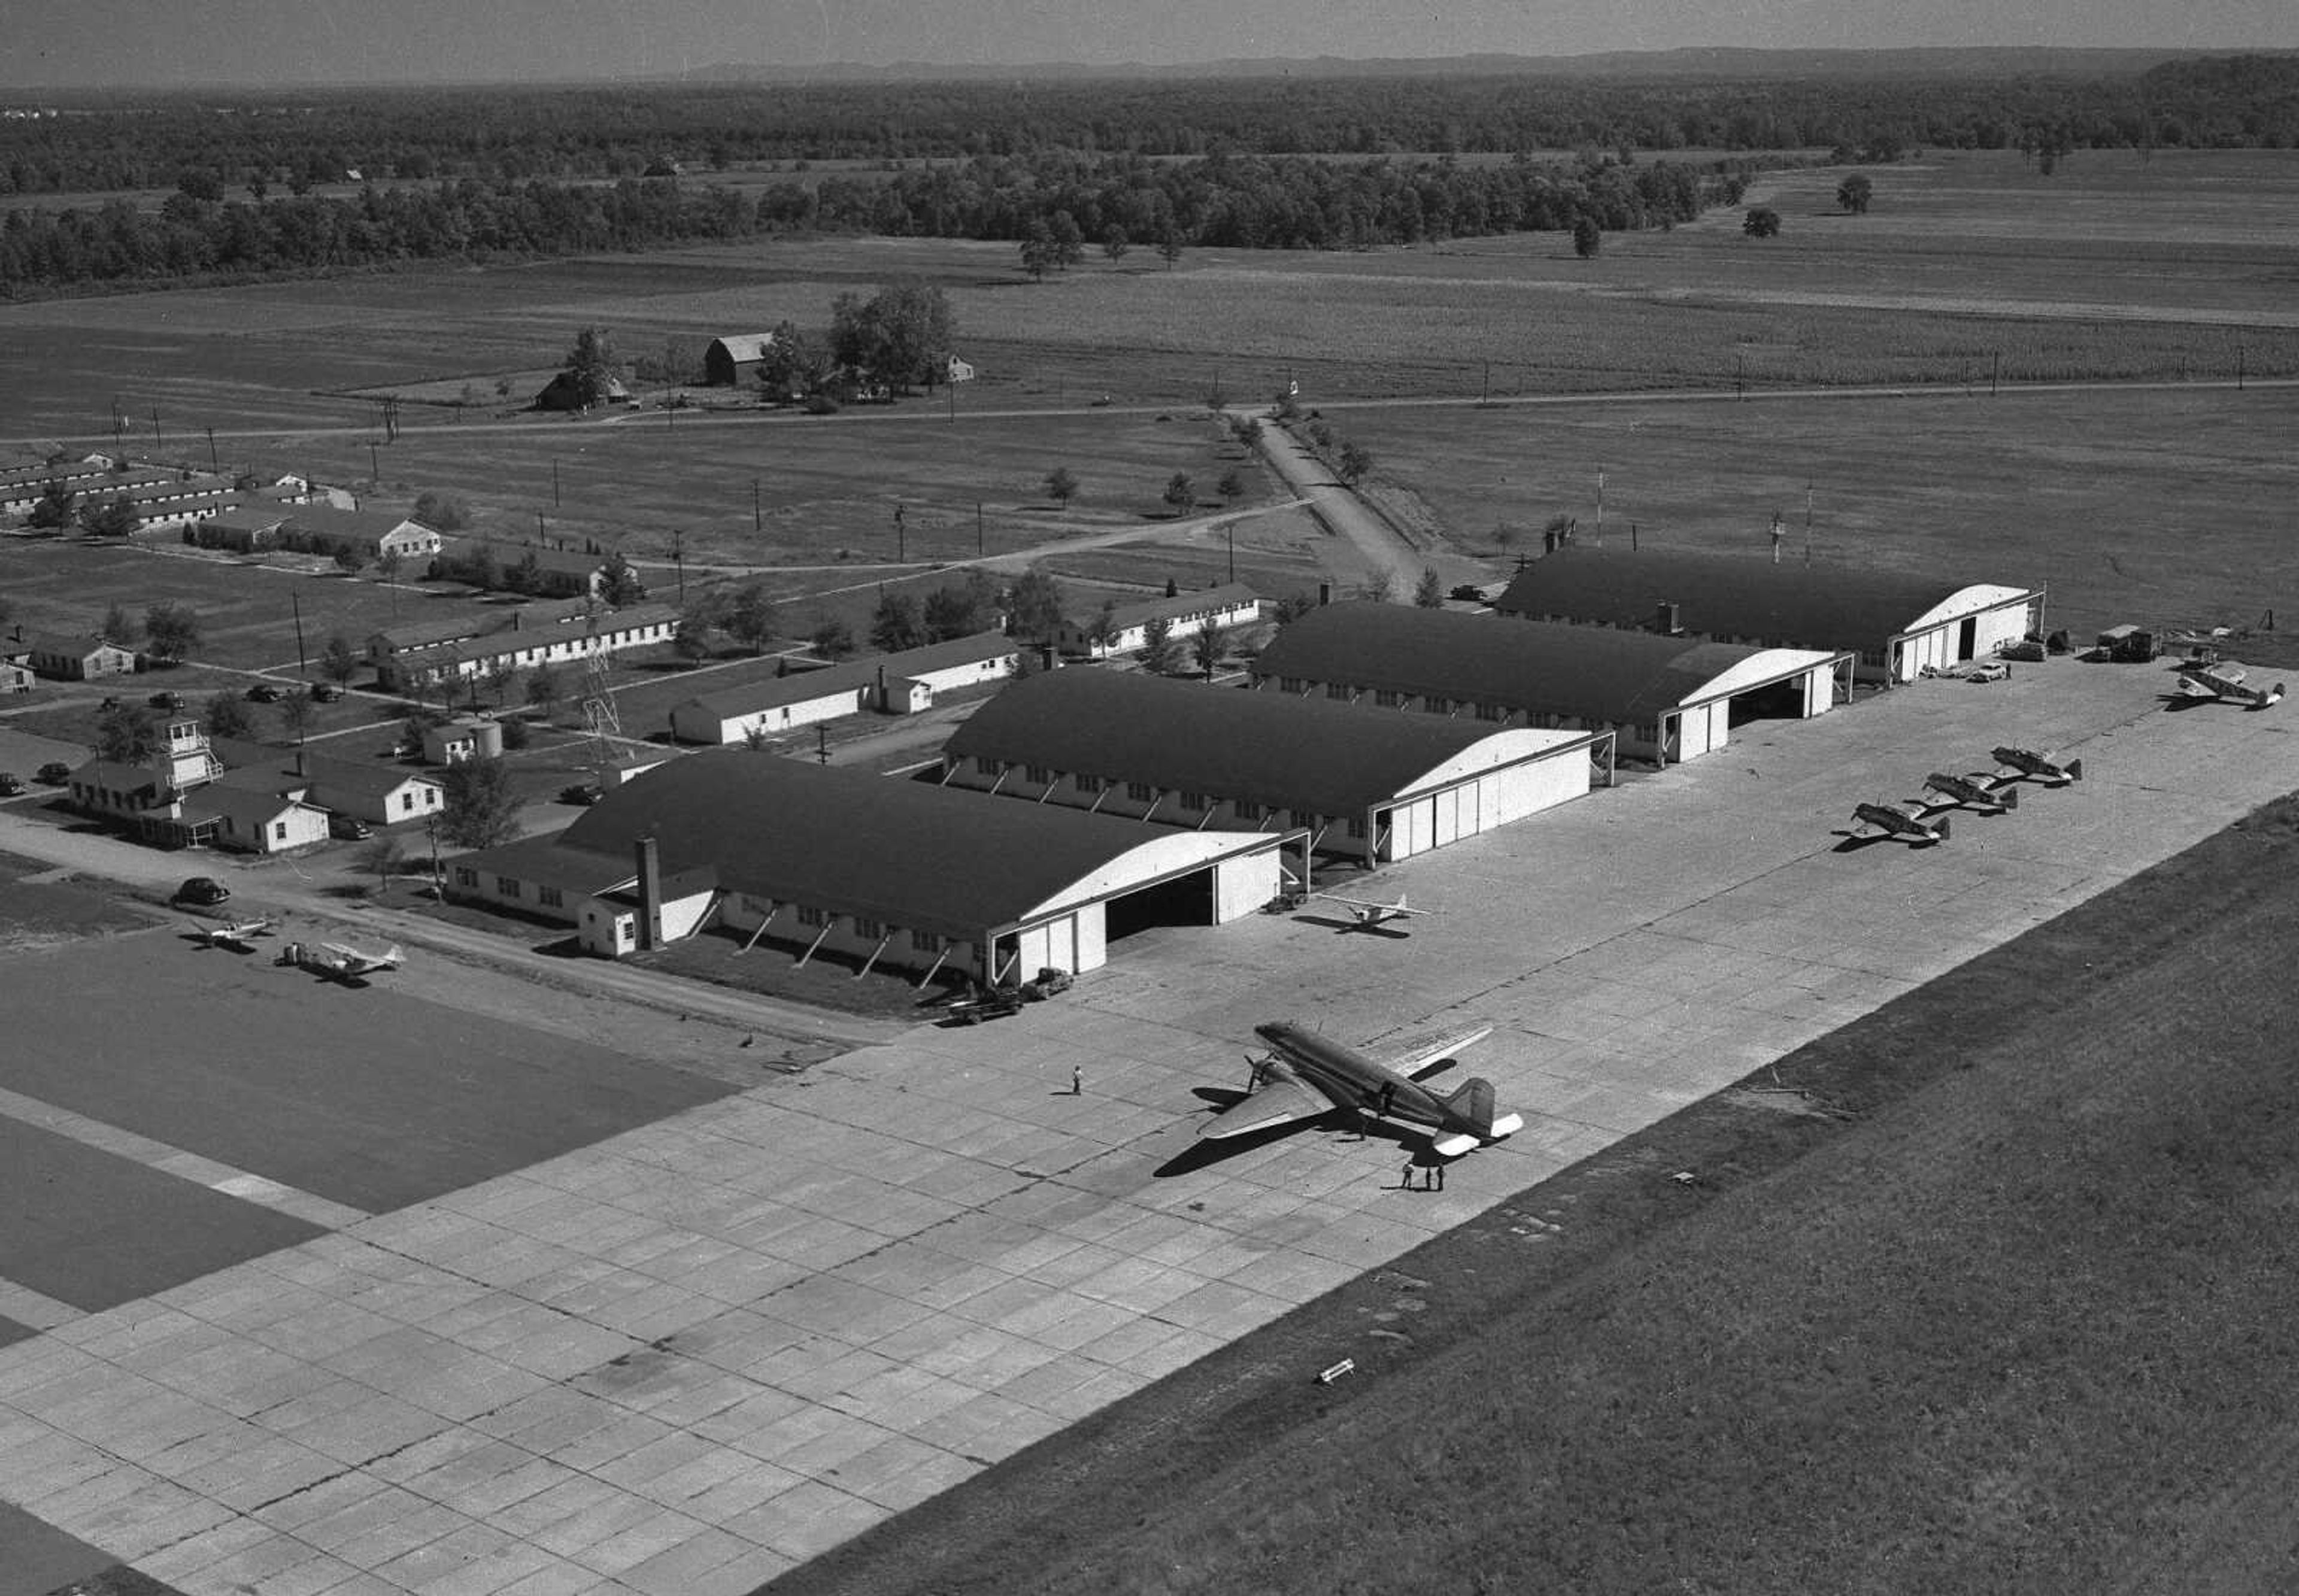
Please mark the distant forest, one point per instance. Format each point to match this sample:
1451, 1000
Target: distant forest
1252, 202
512, 134
1303, 164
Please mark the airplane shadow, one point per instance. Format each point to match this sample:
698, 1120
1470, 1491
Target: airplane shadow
198, 941
1204, 1154
1345, 927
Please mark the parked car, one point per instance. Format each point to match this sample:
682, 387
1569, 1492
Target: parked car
10, 784
206, 891
264, 693
326, 692
349, 827
167, 701
578, 794
56, 773
1991, 671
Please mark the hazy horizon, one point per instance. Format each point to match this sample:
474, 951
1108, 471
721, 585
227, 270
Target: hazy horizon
130, 44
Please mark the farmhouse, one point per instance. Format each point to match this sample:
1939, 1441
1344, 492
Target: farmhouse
1893, 624
893, 874
1373, 788
523, 648
736, 359
1665, 699
900, 683
74, 659
368, 534
1125, 628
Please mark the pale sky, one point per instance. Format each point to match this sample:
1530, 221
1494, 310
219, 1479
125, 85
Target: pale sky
182, 43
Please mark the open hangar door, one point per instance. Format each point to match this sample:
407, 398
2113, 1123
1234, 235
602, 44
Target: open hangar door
1775, 701
1185, 900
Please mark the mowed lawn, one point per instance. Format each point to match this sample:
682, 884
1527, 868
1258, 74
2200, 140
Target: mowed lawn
1991, 1291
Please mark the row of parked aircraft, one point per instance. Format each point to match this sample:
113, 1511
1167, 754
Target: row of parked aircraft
1922, 821
329, 960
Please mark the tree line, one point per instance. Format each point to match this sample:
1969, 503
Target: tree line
501, 134
1259, 202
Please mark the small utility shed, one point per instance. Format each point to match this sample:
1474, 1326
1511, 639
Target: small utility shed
1373, 788
1666, 699
1894, 623
892, 873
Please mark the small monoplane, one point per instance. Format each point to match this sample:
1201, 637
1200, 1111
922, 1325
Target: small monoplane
1981, 793
1307, 1076
339, 961
2025, 764
1907, 822
238, 933
2224, 684
1367, 914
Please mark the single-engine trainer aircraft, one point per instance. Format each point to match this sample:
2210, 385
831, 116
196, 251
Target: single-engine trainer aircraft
239, 934
2224, 684
1307, 1076
2019, 764
336, 961
1367, 915
1907, 823
1979, 793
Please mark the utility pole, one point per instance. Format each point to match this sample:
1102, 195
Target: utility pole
1230, 527
296, 606
538, 526
979, 546
373, 466
758, 519
2238, 368
1485, 396
156, 444
822, 743
213, 463
1600, 504
1995, 370
554, 482
678, 558
901, 538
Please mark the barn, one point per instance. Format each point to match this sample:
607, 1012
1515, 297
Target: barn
735, 359
1374, 788
888, 874
1893, 624
1665, 699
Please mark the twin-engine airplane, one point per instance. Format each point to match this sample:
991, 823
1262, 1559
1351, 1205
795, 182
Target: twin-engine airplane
1365, 914
2223, 683
239, 934
1307, 1076
1968, 792
1908, 823
2020, 764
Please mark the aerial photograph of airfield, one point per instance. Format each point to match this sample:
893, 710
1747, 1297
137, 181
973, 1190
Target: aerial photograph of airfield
1519, 821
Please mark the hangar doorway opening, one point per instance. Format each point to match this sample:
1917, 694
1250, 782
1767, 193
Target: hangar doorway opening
1186, 899
1779, 701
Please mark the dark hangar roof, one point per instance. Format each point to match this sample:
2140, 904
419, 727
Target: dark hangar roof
1584, 672
1797, 605
1306, 754
930, 858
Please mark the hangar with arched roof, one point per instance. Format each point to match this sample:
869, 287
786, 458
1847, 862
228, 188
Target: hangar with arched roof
899, 874
1375, 788
1665, 699
1894, 623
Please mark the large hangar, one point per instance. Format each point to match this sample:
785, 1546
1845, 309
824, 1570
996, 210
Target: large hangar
1372, 788
1665, 699
893, 874
1893, 623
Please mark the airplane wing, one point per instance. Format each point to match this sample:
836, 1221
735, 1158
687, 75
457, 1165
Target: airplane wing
1368, 904
1422, 1055
1284, 1101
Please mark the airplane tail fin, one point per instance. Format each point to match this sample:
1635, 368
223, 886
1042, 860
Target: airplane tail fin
393, 956
2075, 770
2009, 798
1942, 828
1471, 1105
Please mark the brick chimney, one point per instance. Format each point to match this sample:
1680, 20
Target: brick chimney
650, 865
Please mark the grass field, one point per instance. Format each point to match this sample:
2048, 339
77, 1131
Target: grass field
1989, 1290
1971, 268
